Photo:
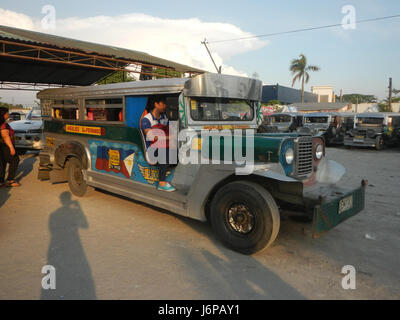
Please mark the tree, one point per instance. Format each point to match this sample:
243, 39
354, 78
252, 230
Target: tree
300, 69
359, 98
116, 77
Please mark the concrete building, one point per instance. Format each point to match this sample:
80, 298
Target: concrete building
285, 95
324, 93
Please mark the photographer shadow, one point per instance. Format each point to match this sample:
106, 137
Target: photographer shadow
65, 253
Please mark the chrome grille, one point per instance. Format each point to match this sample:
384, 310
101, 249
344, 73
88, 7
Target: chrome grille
20, 131
304, 157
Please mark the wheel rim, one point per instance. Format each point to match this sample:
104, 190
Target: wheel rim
240, 218
78, 175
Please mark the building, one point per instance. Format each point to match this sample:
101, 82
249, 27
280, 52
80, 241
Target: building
324, 93
285, 95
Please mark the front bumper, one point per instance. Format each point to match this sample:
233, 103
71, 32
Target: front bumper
28, 142
366, 142
333, 204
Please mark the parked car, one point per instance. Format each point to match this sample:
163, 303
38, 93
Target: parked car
330, 125
29, 132
374, 129
283, 122
16, 116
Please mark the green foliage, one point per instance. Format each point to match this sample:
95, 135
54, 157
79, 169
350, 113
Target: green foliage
272, 102
362, 98
384, 107
300, 70
117, 77
163, 73
10, 106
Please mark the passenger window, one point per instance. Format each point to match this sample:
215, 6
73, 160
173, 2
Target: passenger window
104, 110
65, 110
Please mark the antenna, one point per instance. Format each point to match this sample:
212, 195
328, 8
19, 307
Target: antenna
205, 44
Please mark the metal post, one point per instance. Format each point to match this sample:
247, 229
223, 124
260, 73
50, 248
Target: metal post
205, 44
390, 94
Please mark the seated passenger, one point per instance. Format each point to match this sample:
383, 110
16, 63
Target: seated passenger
154, 121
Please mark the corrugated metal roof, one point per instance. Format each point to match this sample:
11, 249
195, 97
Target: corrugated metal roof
43, 39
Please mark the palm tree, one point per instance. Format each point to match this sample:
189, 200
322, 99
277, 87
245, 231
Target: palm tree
300, 69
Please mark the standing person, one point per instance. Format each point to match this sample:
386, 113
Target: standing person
8, 152
154, 120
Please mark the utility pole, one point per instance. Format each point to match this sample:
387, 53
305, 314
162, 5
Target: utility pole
341, 95
205, 44
390, 94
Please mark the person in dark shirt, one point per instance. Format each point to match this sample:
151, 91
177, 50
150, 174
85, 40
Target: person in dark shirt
7, 151
151, 123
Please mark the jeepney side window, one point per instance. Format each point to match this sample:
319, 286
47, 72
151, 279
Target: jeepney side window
65, 110
104, 110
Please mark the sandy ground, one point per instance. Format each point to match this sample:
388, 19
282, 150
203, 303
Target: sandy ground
108, 247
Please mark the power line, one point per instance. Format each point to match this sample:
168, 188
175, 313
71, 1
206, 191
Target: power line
306, 29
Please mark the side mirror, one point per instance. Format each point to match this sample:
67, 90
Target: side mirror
172, 108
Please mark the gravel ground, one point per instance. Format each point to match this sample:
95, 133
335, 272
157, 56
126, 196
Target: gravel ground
108, 247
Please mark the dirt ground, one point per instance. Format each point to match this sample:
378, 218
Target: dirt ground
109, 247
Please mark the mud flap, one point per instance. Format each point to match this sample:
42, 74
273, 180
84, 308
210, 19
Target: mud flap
327, 215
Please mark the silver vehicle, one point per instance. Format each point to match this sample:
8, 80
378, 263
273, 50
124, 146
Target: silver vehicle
94, 139
29, 132
285, 121
374, 129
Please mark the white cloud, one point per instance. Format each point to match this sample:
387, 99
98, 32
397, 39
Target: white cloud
178, 40
16, 20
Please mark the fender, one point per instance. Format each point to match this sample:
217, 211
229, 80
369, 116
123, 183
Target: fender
68, 149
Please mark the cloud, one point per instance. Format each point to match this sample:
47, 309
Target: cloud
178, 40
16, 20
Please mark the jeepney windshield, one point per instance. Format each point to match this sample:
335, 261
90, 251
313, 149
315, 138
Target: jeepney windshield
221, 109
369, 120
281, 118
35, 114
317, 119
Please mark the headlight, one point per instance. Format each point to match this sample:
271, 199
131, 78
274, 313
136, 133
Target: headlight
289, 155
319, 151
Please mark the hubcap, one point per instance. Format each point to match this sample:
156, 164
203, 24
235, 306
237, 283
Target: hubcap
240, 218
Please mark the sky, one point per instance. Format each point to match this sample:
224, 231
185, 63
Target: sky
359, 60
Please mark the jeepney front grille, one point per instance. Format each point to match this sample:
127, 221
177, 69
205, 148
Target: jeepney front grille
304, 157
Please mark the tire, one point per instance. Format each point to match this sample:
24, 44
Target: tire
248, 201
76, 181
379, 143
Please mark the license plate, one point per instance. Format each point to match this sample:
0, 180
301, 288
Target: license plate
345, 204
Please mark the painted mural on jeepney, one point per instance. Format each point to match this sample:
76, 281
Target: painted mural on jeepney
125, 161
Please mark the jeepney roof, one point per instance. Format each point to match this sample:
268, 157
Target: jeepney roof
287, 114
160, 86
321, 114
377, 114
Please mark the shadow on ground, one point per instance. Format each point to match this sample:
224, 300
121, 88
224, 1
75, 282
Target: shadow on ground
65, 253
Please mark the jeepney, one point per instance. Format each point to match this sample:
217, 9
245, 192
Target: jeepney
330, 125
94, 140
285, 121
374, 129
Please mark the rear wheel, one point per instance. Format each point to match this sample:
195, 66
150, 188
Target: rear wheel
76, 180
245, 217
379, 143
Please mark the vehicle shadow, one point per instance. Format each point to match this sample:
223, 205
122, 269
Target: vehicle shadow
66, 254
233, 275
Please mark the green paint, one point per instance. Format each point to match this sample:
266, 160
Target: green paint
326, 216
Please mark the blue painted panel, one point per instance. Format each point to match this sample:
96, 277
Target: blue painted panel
135, 106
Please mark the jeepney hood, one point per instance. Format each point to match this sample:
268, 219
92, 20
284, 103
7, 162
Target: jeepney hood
26, 125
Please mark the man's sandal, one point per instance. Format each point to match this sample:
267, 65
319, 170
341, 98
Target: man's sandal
12, 184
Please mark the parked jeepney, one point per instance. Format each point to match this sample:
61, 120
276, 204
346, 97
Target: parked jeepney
285, 121
330, 125
374, 129
94, 140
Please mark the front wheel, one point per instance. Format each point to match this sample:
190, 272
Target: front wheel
245, 217
76, 180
